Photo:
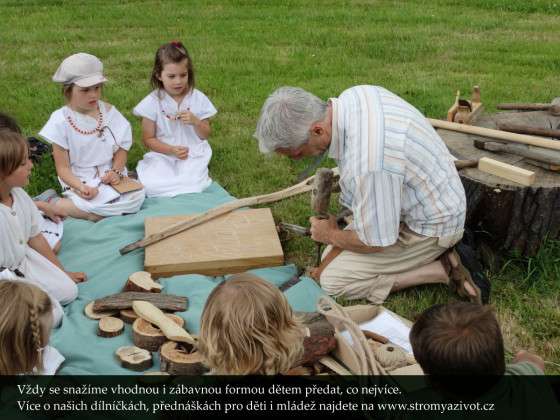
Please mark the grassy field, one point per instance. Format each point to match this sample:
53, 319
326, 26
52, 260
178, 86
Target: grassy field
242, 50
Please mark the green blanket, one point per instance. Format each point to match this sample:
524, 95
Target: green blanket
93, 248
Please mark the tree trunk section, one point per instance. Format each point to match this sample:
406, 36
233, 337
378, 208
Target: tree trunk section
148, 336
180, 359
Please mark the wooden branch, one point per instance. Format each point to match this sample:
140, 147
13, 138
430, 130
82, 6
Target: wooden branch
124, 300
535, 153
496, 134
170, 329
374, 336
525, 129
147, 336
133, 358
91, 314
180, 359
110, 327
513, 173
524, 107
300, 188
142, 281
461, 164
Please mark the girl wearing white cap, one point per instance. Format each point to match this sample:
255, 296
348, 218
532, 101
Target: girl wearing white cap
175, 127
90, 141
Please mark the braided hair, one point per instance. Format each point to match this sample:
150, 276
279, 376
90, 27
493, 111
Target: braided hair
23, 307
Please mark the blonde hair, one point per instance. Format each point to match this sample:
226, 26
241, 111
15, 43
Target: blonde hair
248, 327
21, 336
13, 150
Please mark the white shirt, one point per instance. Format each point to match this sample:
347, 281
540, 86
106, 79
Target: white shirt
90, 155
161, 108
18, 224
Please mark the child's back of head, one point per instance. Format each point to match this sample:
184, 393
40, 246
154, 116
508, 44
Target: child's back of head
459, 338
25, 324
248, 327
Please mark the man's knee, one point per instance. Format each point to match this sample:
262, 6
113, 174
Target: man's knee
331, 283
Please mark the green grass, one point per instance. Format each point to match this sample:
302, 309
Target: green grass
242, 50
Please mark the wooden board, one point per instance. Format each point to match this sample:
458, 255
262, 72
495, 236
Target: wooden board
232, 243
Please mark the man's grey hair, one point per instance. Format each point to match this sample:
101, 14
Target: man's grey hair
286, 118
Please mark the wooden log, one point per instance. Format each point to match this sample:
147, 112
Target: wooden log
181, 359
91, 314
535, 153
142, 281
300, 188
525, 129
506, 216
547, 166
496, 134
523, 106
507, 171
172, 303
128, 315
134, 358
154, 315
148, 336
110, 327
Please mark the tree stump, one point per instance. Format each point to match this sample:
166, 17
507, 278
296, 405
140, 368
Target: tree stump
504, 214
148, 336
181, 359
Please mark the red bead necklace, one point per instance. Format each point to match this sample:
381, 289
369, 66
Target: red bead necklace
97, 129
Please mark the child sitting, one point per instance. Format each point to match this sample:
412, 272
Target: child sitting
26, 322
248, 327
90, 141
24, 251
51, 226
175, 127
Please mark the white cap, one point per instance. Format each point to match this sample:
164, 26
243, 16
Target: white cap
82, 69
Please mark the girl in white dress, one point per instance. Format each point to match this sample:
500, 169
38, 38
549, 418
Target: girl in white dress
175, 127
25, 254
90, 141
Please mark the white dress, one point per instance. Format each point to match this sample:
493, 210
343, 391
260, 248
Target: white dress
164, 175
18, 224
91, 155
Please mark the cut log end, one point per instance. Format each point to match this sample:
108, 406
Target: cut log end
181, 359
134, 358
110, 327
142, 281
128, 315
148, 336
91, 314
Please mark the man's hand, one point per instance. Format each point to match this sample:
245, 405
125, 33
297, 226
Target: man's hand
77, 277
322, 229
181, 152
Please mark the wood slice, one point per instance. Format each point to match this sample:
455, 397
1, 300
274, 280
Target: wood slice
91, 314
128, 315
142, 281
180, 359
134, 358
512, 216
124, 300
148, 336
110, 327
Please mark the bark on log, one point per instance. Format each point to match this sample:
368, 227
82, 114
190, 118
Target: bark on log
110, 327
148, 336
180, 359
506, 215
128, 315
124, 300
134, 358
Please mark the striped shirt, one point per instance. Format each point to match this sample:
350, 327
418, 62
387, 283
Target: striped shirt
394, 168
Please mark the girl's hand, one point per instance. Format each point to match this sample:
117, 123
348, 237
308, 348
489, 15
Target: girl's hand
87, 192
181, 152
187, 117
111, 177
77, 277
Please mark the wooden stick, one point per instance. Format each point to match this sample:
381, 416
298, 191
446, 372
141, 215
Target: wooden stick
496, 134
536, 153
524, 107
525, 129
300, 188
507, 171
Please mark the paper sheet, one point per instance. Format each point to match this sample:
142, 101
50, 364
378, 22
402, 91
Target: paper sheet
388, 326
